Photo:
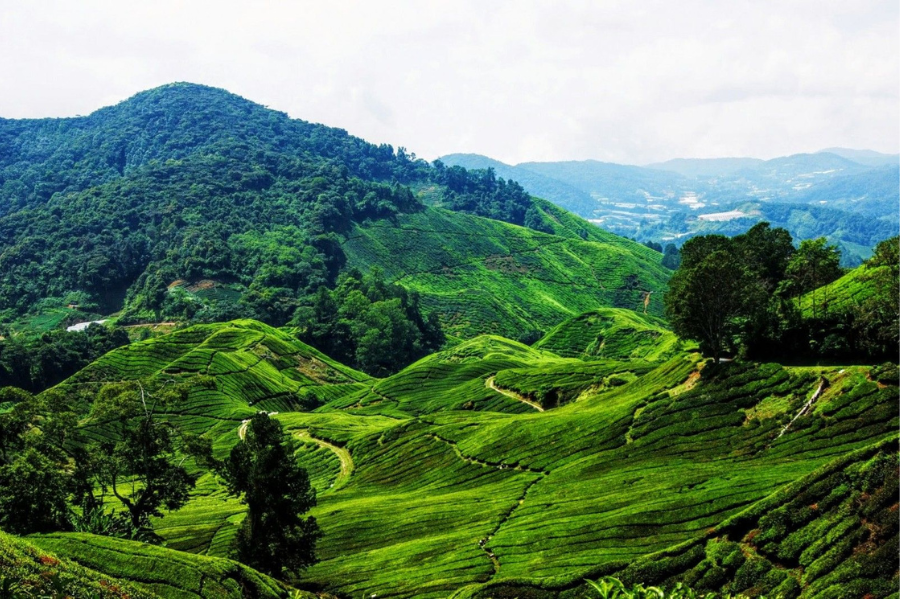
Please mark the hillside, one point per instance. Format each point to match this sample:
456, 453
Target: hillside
189, 203
497, 463
846, 294
484, 276
610, 333
27, 571
165, 573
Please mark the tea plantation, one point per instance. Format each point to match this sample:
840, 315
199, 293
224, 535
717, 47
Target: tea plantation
495, 469
486, 276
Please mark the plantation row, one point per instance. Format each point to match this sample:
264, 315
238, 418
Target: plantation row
460, 488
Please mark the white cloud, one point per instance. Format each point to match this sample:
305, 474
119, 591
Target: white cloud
516, 80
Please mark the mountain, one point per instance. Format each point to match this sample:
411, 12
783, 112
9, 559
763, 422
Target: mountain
495, 469
829, 194
872, 193
187, 202
706, 167
865, 157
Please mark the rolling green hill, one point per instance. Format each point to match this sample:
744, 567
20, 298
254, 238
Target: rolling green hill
493, 467
27, 571
611, 333
484, 276
847, 293
187, 203
164, 572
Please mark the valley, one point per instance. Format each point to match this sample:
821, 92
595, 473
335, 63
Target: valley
221, 326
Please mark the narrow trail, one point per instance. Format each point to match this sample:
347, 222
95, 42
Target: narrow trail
484, 543
806, 406
489, 382
342, 453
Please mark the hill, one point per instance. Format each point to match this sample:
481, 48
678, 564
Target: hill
165, 573
706, 167
497, 463
611, 333
189, 203
865, 157
846, 294
484, 276
27, 571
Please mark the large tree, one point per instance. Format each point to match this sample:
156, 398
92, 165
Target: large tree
707, 294
815, 264
141, 463
34, 471
274, 537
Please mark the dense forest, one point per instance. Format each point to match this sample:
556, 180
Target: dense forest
186, 182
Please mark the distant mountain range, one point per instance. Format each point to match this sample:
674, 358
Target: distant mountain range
849, 196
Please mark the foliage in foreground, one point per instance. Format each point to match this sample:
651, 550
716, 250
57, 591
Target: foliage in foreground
161, 572
26, 571
274, 537
611, 587
746, 295
35, 363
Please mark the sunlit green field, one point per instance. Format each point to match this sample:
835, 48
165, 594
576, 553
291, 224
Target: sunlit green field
443, 480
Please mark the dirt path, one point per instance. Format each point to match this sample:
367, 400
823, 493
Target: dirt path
489, 382
822, 384
242, 430
342, 453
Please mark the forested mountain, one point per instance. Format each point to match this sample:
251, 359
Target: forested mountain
852, 203
389, 378
188, 202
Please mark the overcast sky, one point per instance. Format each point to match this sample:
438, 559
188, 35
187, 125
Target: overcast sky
632, 82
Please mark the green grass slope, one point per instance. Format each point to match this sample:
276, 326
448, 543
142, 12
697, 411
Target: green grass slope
485, 276
164, 572
613, 334
27, 571
846, 294
455, 498
232, 371
494, 463
831, 534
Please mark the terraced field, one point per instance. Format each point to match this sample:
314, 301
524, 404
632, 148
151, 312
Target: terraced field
846, 294
441, 480
161, 571
611, 333
485, 276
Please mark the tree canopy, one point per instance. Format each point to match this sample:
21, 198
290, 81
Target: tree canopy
274, 537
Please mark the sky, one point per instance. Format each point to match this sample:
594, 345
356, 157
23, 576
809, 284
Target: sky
622, 81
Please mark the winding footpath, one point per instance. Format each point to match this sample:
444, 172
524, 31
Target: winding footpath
489, 382
342, 453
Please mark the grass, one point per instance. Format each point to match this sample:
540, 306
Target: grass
613, 334
485, 276
166, 573
28, 571
846, 294
456, 488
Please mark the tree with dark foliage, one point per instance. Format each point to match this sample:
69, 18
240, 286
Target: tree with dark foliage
274, 538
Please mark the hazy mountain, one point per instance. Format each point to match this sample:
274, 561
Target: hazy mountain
706, 167
865, 157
